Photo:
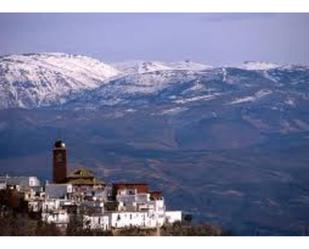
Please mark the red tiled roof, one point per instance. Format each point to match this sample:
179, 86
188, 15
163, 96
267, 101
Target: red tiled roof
141, 187
155, 195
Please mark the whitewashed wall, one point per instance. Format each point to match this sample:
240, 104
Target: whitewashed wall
58, 190
61, 217
96, 222
173, 216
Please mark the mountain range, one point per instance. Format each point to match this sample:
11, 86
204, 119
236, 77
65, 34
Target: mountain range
228, 144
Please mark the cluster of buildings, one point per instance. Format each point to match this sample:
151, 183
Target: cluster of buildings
81, 195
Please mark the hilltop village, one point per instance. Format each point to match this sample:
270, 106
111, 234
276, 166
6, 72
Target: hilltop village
100, 206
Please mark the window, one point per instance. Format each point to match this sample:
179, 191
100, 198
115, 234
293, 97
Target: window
131, 191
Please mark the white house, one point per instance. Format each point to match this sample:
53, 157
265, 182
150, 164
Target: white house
173, 216
34, 206
96, 222
127, 219
92, 207
135, 219
24, 181
59, 191
20, 183
3, 185
61, 218
50, 205
132, 201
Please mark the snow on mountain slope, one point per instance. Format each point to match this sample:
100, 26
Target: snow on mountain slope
54, 79
133, 67
252, 98
258, 65
214, 86
33, 80
196, 98
45, 79
134, 89
188, 65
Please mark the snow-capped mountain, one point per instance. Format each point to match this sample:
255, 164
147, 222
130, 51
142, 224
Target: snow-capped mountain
258, 65
49, 79
138, 67
135, 89
34, 80
228, 86
55, 79
188, 65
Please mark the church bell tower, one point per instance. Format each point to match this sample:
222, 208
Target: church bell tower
59, 162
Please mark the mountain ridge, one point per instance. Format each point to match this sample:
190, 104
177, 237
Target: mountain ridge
227, 144
34, 80
53, 79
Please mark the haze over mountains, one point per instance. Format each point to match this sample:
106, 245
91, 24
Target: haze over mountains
228, 144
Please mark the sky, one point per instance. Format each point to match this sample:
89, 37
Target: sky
216, 39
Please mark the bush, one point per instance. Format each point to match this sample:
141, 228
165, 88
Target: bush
19, 224
179, 229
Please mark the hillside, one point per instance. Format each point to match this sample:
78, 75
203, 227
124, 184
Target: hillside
227, 144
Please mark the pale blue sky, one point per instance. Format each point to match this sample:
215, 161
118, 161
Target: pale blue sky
216, 39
